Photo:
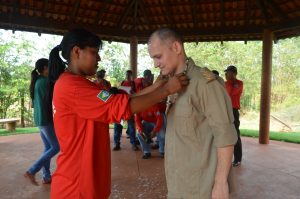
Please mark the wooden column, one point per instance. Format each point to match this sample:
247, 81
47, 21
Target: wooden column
265, 102
133, 55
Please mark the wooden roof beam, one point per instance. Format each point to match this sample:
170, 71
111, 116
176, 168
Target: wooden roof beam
194, 13
45, 9
247, 12
75, 10
144, 11
135, 13
166, 4
264, 11
127, 10
222, 13
277, 9
101, 12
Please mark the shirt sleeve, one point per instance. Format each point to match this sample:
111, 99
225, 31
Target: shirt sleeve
218, 110
95, 104
159, 120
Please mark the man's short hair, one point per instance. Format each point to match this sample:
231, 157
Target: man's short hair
166, 34
100, 73
147, 73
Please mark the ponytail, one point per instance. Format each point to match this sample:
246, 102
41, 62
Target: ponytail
40, 65
56, 67
76, 37
34, 77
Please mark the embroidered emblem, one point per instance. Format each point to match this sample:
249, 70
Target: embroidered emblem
104, 95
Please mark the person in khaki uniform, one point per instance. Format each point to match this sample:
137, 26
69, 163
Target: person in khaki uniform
200, 131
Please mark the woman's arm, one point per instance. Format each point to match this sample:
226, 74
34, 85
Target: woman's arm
140, 103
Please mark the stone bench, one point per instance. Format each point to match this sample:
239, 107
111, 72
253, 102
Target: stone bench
10, 123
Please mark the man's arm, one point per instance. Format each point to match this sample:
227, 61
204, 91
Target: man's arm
221, 189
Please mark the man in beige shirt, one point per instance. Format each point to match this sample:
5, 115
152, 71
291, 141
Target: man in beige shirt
200, 132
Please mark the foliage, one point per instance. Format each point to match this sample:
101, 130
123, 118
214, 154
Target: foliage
19, 51
279, 136
28, 130
115, 60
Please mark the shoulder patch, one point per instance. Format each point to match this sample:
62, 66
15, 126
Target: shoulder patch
208, 75
104, 95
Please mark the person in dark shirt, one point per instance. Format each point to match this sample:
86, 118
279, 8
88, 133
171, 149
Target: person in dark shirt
38, 89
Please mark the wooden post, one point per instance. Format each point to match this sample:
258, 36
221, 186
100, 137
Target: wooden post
133, 55
22, 110
265, 102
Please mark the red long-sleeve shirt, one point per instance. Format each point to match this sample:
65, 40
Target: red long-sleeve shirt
235, 90
82, 113
129, 84
103, 85
152, 115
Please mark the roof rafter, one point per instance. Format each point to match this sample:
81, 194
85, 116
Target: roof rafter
144, 11
222, 13
45, 8
75, 10
166, 4
277, 9
264, 10
194, 13
102, 11
127, 10
135, 13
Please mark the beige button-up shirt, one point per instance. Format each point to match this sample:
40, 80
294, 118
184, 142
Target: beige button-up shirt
199, 122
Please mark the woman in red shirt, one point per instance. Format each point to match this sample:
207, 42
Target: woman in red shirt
82, 112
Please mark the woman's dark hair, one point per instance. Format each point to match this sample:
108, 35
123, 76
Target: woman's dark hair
76, 37
37, 71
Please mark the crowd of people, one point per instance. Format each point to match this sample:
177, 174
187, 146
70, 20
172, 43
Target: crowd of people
188, 113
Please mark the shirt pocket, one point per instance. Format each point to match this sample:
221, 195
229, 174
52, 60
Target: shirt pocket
183, 113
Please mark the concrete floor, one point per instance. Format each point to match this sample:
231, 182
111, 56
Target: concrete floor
268, 171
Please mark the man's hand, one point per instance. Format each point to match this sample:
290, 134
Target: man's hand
220, 191
177, 83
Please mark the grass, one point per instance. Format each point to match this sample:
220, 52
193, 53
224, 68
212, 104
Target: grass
293, 137
279, 136
28, 130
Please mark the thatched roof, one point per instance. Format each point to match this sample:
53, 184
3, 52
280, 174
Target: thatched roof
118, 20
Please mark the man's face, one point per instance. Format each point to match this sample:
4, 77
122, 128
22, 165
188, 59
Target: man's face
148, 80
230, 75
163, 55
129, 76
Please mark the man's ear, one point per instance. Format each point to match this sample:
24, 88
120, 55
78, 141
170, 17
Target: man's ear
177, 47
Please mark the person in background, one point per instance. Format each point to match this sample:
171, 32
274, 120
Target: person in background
102, 83
220, 79
38, 90
234, 88
150, 124
143, 82
118, 127
82, 114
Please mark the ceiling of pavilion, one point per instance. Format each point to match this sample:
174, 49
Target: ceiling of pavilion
118, 20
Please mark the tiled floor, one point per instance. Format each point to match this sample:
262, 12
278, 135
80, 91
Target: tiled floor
267, 172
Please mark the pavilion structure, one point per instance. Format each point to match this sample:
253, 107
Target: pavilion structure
132, 21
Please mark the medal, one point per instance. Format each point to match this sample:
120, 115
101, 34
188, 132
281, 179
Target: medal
172, 98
